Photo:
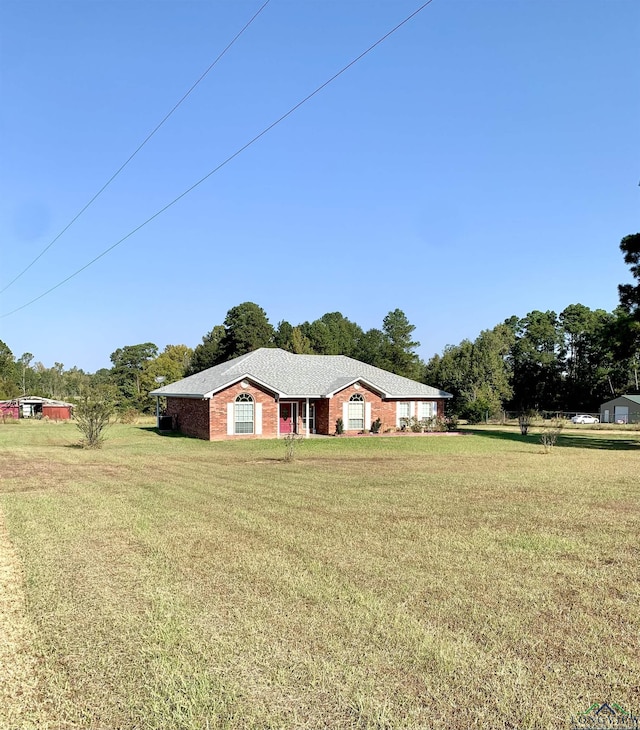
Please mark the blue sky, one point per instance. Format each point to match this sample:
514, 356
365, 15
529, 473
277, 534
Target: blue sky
482, 162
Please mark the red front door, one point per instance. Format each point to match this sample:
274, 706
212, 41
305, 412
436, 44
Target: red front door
287, 414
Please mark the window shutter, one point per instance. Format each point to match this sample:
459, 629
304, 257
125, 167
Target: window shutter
230, 427
345, 415
258, 417
367, 415
412, 409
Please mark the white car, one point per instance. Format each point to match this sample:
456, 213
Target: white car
584, 418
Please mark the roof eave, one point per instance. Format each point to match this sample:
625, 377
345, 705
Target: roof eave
240, 378
366, 382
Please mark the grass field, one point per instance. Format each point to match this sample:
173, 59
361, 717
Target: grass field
427, 582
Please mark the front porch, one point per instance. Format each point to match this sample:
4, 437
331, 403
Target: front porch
298, 417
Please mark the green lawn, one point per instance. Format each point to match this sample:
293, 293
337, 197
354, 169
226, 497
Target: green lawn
406, 582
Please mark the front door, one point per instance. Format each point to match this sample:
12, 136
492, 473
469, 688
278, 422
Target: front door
287, 417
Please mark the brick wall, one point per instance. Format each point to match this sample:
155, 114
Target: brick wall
385, 410
207, 419
322, 418
190, 416
218, 411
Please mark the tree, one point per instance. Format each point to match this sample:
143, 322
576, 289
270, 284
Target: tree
209, 353
477, 373
534, 358
130, 374
372, 348
333, 334
246, 329
92, 416
399, 355
586, 356
291, 339
26, 374
300, 345
172, 363
8, 374
630, 294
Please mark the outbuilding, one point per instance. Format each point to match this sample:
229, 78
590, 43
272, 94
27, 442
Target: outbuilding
623, 409
35, 406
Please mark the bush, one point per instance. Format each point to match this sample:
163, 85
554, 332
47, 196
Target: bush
550, 434
130, 415
451, 423
291, 440
376, 425
525, 419
339, 427
92, 417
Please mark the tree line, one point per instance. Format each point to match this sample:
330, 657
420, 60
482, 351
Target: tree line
569, 361
138, 369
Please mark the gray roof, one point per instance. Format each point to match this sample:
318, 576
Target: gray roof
632, 398
298, 376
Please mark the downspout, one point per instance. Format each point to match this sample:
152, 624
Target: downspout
158, 412
307, 423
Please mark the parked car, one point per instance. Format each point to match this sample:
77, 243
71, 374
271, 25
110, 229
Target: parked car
584, 418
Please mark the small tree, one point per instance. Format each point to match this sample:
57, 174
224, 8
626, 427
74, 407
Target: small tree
291, 440
525, 419
92, 417
550, 434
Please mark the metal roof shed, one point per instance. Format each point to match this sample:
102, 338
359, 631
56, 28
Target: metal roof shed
623, 409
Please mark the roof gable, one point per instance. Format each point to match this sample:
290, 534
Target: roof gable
298, 376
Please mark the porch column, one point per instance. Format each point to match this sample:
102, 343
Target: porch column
158, 411
307, 423
277, 417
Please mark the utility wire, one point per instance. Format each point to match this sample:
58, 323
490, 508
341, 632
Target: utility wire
148, 137
225, 162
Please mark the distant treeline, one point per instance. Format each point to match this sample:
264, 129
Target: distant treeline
570, 361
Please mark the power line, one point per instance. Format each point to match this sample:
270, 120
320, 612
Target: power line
140, 146
225, 162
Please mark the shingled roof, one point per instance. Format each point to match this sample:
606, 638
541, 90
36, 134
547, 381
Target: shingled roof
297, 376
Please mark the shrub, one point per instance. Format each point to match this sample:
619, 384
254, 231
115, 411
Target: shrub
339, 427
92, 418
291, 440
130, 415
525, 419
550, 434
451, 423
376, 425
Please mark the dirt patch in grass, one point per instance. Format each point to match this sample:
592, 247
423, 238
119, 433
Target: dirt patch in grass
35, 475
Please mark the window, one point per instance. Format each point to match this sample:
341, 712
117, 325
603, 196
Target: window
404, 413
427, 410
243, 410
355, 413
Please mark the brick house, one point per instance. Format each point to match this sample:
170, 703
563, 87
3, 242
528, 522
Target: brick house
270, 392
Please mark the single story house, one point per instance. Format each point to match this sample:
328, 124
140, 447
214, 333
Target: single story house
34, 406
270, 392
623, 409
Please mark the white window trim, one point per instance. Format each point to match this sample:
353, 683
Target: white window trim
233, 417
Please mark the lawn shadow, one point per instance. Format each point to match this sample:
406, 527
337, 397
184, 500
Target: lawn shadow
166, 434
564, 440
